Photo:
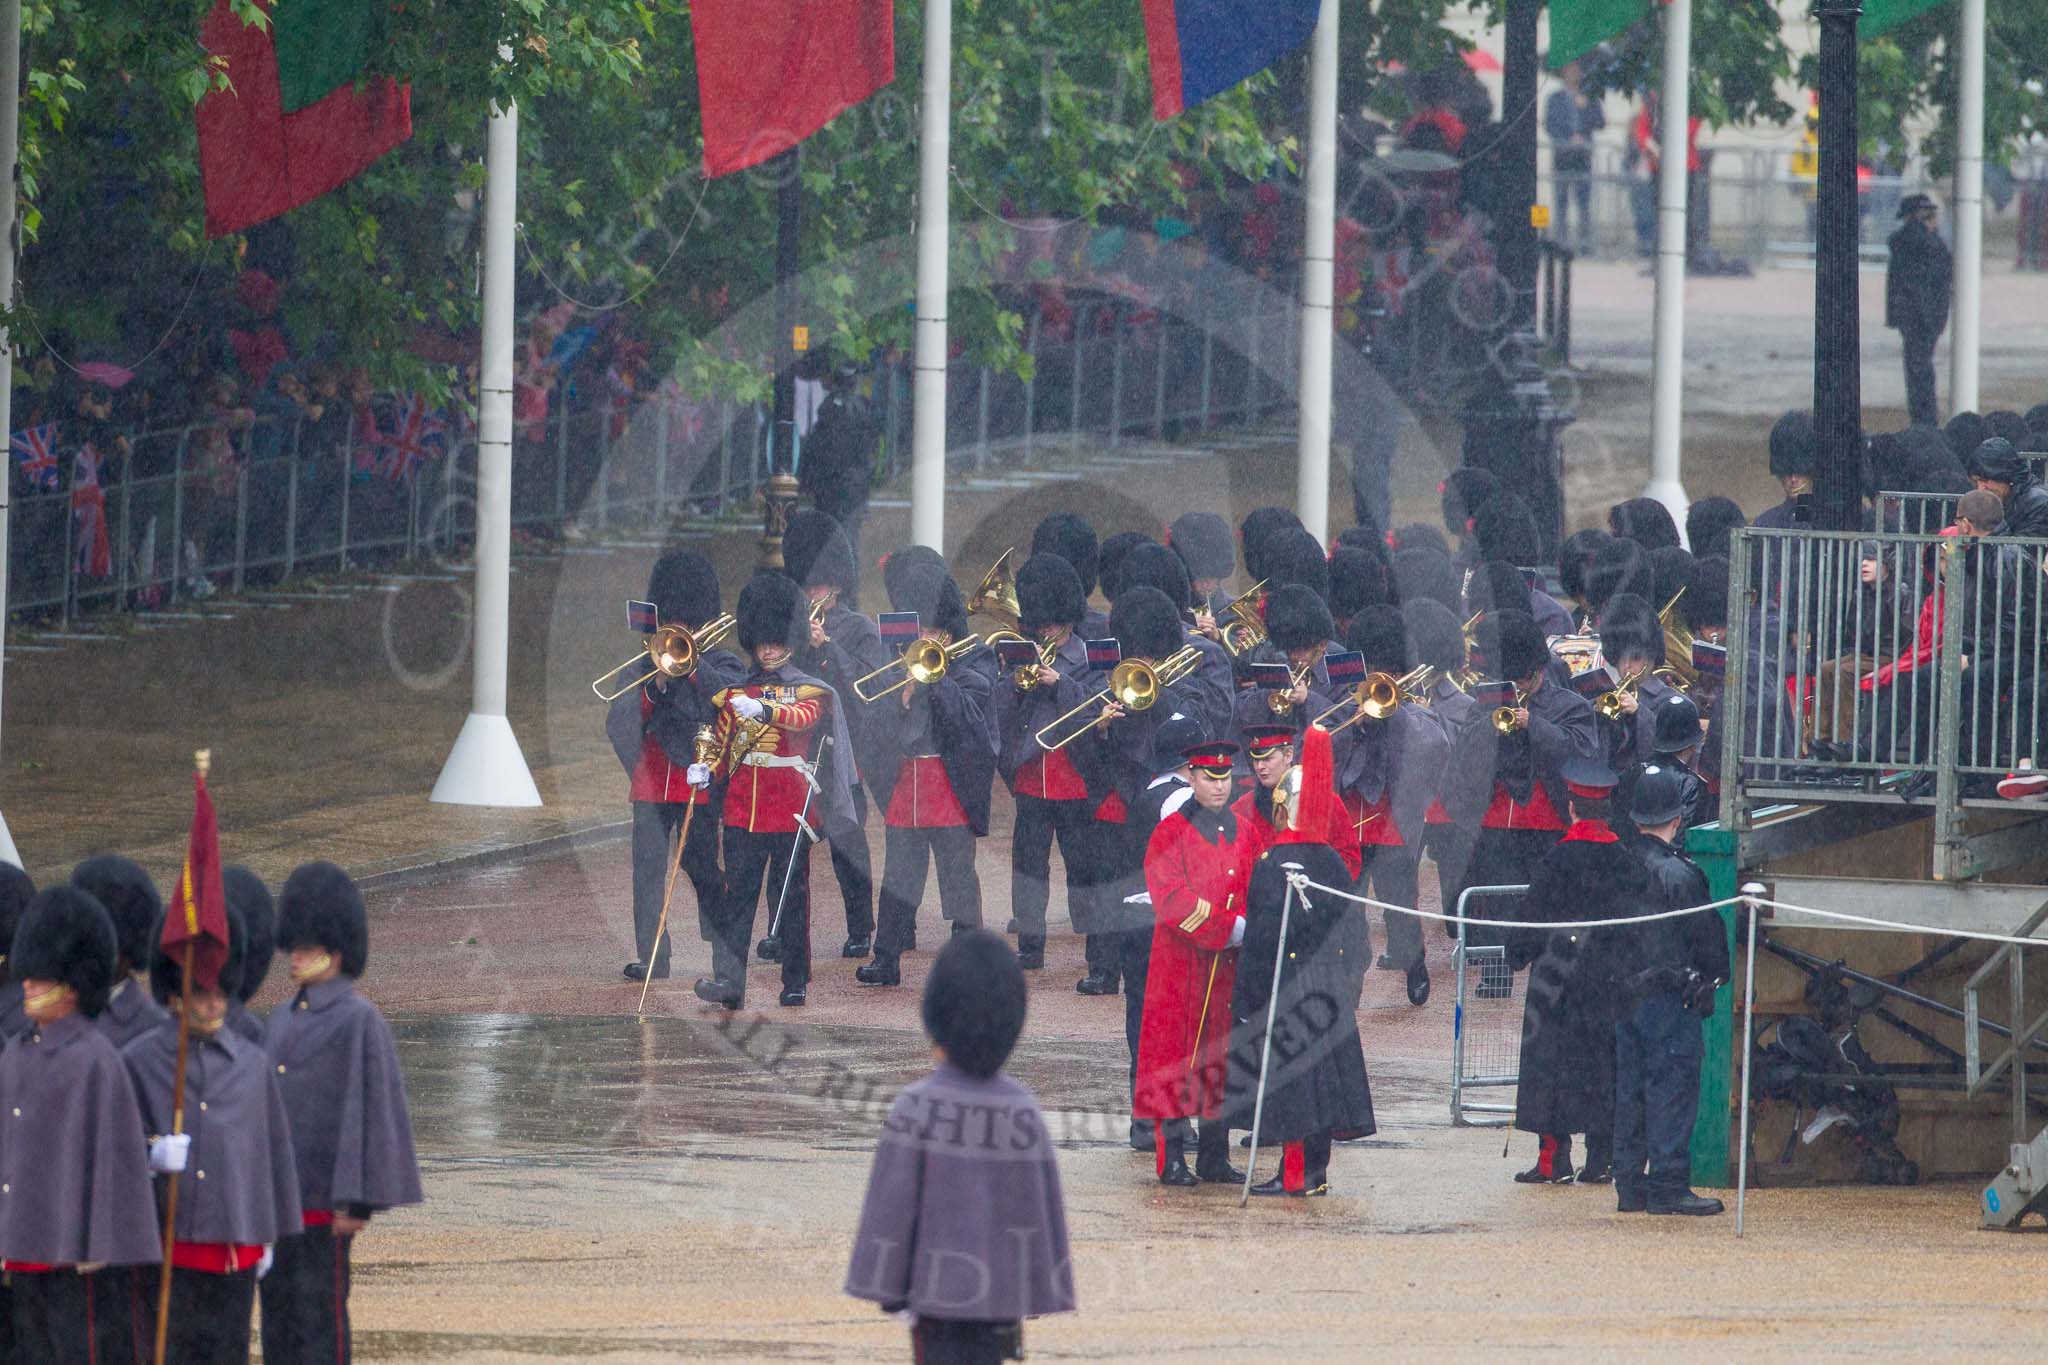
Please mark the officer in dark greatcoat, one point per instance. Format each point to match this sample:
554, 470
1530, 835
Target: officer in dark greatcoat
1566, 1081
1916, 295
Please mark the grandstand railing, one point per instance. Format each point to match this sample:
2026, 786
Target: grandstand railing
1880, 667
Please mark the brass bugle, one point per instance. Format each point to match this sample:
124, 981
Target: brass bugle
824, 605
1134, 685
1377, 698
671, 652
925, 661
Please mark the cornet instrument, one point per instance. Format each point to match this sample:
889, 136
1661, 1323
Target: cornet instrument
823, 605
1609, 703
671, 652
1026, 677
1504, 719
1134, 685
996, 596
1247, 631
925, 661
1377, 698
1278, 702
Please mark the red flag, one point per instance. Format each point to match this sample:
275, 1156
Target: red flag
772, 72
199, 907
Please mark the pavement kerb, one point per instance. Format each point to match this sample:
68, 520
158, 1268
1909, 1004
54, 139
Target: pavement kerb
417, 874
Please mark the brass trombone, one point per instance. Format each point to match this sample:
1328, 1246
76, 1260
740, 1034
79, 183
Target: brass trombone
1609, 703
1378, 697
1247, 631
924, 661
1134, 685
671, 652
1504, 719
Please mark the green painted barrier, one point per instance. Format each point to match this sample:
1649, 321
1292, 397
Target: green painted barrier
1713, 848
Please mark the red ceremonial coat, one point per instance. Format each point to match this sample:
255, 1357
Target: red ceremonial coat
1197, 880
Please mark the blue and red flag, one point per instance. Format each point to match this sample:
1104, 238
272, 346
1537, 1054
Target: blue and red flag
1104, 654
642, 616
1346, 668
421, 435
1491, 694
898, 628
1202, 48
36, 449
1016, 653
1709, 660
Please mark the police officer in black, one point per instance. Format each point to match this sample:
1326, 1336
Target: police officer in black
1669, 969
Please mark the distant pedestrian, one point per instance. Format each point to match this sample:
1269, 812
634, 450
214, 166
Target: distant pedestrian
1916, 294
838, 463
1571, 117
964, 1228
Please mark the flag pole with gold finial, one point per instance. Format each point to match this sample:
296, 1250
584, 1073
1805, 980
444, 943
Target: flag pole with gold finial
202, 760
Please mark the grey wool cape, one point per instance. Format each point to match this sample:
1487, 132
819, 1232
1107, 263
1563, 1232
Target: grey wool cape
74, 1168
337, 1067
963, 1217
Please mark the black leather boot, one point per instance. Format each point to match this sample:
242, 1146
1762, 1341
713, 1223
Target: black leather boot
1212, 1155
1031, 951
1175, 1170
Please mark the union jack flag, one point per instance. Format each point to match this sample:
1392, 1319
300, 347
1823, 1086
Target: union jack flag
36, 448
89, 512
421, 435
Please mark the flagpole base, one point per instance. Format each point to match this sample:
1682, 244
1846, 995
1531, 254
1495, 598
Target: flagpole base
486, 768
7, 851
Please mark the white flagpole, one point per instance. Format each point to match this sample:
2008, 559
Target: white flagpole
1319, 253
1667, 367
10, 124
934, 225
486, 768
1969, 210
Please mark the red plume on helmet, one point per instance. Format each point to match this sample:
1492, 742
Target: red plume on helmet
1312, 800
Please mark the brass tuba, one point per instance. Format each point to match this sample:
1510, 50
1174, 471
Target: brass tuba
1676, 671
996, 596
1134, 685
670, 652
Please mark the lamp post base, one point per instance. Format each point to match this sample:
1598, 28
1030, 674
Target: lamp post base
486, 768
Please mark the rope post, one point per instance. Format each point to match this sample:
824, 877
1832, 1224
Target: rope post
1748, 1038
1251, 1161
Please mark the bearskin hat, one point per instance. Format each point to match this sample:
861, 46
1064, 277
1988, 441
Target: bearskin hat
1358, 580
1255, 535
1435, 635
1463, 492
1709, 524
897, 563
1671, 571
1297, 619
1146, 623
2006, 423
1620, 566
1503, 527
250, 899
974, 1001
1706, 597
1793, 445
1965, 431
17, 889
321, 908
1521, 648
1155, 566
1202, 540
1418, 536
1297, 557
66, 935
1575, 559
167, 973
1072, 539
770, 608
815, 552
1110, 560
1496, 585
1629, 630
683, 588
1049, 593
1645, 521
934, 596
1379, 633
1420, 574
130, 899
1361, 536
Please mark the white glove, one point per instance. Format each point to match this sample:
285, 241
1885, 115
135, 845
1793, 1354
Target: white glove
263, 1265
1237, 934
699, 775
167, 1155
746, 707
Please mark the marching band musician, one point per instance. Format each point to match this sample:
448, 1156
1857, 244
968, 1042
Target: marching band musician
1549, 725
935, 800
653, 730
1298, 626
1196, 882
131, 901
1317, 1090
1073, 539
1051, 797
1386, 777
838, 646
1203, 542
1208, 693
768, 727
1632, 642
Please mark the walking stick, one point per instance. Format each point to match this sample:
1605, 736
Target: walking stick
702, 751
1266, 1052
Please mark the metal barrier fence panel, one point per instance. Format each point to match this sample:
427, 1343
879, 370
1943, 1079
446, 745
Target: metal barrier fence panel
1486, 1040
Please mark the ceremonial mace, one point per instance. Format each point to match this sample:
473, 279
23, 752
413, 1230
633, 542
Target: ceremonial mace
703, 755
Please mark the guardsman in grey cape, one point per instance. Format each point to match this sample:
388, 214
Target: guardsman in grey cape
131, 901
337, 1067
251, 900
74, 1174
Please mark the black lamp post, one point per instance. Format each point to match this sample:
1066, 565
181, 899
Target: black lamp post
1837, 260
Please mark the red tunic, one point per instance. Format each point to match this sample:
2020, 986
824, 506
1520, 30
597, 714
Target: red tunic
923, 797
1197, 884
657, 777
765, 789
1507, 813
1051, 777
1372, 822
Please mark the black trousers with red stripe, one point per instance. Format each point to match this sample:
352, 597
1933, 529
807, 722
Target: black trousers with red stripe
305, 1298
210, 1317
64, 1318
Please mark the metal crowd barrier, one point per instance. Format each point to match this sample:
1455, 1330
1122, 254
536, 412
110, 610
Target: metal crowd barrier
1486, 1036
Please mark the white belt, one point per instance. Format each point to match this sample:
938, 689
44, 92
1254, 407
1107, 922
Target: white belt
759, 760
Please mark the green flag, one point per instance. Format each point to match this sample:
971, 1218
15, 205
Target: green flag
1579, 26
1880, 15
